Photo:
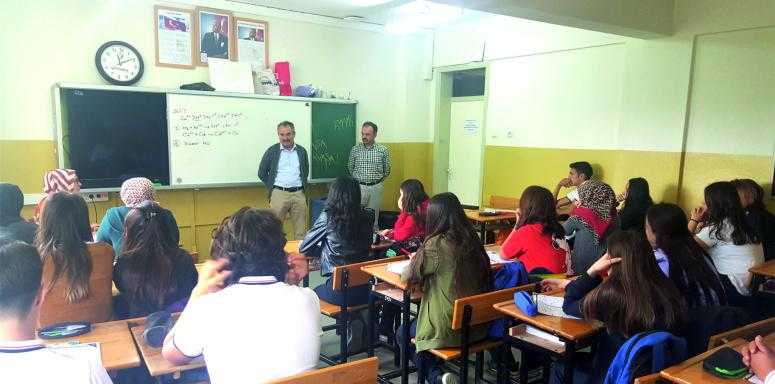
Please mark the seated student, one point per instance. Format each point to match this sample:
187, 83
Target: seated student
152, 273
538, 239
450, 264
580, 172
23, 357
341, 235
635, 297
57, 180
760, 358
133, 192
77, 273
409, 230
733, 245
637, 201
763, 221
250, 325
680, 257
12, 226
590, 223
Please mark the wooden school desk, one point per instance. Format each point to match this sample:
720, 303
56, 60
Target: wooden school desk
116, 345
156, 363
481, 221
691, 372
575, 334
762, 272
396, 292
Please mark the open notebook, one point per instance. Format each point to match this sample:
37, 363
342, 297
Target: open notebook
398, 266
551, 305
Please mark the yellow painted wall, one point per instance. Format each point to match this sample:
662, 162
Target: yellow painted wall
509, 170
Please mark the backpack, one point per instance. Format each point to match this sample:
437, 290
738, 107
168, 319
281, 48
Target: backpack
643, 354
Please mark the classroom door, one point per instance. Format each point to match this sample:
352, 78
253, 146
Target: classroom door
466, 132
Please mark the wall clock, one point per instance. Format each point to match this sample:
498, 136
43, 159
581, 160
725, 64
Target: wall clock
119, 63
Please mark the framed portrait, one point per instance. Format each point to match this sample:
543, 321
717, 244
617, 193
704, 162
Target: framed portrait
214, 35
174, 37
252, 42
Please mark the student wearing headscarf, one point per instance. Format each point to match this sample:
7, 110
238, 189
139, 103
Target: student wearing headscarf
57, 180
12, 226
590, 223
134, 191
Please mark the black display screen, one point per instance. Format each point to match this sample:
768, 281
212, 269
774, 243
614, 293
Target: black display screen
110, 136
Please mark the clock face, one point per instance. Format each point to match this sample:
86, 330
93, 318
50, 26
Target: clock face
119, 63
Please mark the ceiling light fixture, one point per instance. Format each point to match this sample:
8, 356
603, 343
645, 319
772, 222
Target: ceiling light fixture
411, 17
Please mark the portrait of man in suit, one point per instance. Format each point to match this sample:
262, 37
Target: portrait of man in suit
214, 43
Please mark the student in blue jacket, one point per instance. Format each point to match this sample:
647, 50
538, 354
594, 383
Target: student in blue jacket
625, 290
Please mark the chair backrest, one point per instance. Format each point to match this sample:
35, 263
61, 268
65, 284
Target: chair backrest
355, 276
747, 332
357, 372
482, 310
504, 202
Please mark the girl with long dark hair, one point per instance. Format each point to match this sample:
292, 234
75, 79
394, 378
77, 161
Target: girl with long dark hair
152, 273
634, 297
681, 258
733, 245
450, 264
637, 200
341, 235
538, 239
763, 221
409, 229
76, 272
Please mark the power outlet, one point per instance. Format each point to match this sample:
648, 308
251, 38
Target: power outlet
95, 196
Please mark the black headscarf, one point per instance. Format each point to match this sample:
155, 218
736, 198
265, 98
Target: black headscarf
11, 203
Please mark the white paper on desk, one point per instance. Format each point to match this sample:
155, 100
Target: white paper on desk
231, 76
544, 335
398, 266
551, 305
79, 351
495, 258
755, 379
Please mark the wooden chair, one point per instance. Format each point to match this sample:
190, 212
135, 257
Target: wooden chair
747, 332
467, 312
504, 202
343, 278
358, 372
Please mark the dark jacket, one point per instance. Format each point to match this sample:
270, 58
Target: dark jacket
323, 240
764, 223
267, 170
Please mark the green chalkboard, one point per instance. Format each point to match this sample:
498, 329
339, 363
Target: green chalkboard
333, 136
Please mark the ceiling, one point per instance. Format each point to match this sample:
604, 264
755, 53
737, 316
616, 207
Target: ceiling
373, 11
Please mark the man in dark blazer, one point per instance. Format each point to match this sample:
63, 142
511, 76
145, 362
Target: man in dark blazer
284, 170
215, 44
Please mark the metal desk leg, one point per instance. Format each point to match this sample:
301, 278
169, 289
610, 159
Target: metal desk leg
483, 231
405, 307
570, 347
370, 327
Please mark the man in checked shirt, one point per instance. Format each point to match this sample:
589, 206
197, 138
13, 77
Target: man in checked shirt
369, 164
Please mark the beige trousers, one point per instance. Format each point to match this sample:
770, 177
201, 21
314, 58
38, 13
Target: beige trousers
293, 204
371, 197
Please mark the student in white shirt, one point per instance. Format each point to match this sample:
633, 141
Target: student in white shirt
733, 245
24, 358
760, 358
579, 173
250, 325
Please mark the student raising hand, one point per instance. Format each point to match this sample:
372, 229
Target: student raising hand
212, 277
602, 265
760, 358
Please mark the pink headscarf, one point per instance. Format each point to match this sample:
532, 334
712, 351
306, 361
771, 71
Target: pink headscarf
60, 180
136, 190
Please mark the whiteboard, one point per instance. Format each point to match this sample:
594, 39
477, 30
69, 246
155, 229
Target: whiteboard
219, 140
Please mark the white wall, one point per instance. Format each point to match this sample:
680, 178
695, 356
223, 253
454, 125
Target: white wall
55, 41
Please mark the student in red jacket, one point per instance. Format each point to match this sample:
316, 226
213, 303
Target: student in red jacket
538, 239
409, 230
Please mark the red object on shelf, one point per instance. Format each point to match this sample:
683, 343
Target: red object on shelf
282, 71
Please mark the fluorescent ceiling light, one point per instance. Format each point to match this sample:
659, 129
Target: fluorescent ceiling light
410, 17
368, 3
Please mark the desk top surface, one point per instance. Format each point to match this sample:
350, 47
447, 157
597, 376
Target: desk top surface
381, 272
156, 363
691, 372
569, 329
766, 269
474, 214
116, 344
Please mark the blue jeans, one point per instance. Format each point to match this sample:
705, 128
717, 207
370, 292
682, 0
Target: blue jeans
424, 361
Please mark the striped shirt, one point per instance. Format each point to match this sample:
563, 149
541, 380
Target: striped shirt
369, 165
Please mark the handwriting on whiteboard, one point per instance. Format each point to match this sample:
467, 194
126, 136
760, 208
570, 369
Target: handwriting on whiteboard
191, 129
